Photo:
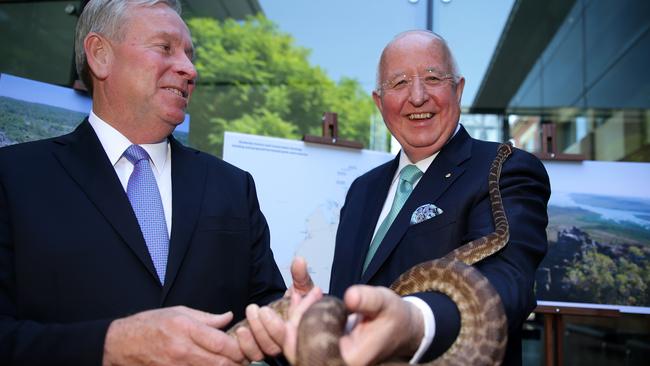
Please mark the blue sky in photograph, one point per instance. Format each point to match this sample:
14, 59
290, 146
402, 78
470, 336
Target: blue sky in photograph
38, 92
587, 177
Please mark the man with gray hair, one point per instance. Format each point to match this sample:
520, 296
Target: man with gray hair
418, 94
119, 245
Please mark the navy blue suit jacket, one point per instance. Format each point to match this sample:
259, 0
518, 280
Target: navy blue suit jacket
72, 257
463, 196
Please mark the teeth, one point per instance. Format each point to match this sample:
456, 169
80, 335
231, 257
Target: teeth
176, 91
420, 116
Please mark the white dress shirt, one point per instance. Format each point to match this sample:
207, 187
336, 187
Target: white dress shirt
114, 144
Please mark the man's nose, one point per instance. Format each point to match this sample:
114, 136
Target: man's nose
417, 93
186, 67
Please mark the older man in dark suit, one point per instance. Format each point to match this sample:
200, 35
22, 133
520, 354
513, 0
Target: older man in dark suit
381, 234
118, 245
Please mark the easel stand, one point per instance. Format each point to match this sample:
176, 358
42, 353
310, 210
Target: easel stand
554, 328
549, 146
331, 133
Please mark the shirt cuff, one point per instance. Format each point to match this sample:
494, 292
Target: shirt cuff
429, 326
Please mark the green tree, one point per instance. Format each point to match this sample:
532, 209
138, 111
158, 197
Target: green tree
591, 277
596, 277
254, 79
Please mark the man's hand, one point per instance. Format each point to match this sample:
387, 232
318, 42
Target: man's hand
388, 327
171, 336
269, 334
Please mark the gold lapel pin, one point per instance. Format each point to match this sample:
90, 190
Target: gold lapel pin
447, 175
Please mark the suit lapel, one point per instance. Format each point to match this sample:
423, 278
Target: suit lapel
445, 169
188, 185
85, 160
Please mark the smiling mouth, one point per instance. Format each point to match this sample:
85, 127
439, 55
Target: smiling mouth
178, 92
417, 116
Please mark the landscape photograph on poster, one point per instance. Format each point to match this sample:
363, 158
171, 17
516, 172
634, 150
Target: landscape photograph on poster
31, 110
599, 236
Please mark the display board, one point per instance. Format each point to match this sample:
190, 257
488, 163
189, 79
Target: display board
301, 188
599, 236
599, 218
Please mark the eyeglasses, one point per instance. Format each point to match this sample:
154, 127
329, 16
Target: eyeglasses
431, 79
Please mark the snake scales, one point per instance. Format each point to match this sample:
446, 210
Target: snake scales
483, 332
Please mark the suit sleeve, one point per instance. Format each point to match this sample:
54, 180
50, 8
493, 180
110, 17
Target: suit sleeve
525, 190
29, 342
266, 282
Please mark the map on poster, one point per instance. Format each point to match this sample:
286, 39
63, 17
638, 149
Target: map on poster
301, 188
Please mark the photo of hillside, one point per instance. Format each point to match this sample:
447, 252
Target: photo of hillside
599, 250
22, 121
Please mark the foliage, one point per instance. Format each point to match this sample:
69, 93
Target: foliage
253, 79
609, 280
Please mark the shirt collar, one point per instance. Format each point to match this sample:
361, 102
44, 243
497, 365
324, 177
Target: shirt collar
423, 164
114, 143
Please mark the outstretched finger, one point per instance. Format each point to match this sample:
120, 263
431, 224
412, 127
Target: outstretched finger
210, 319
216, 342
301, 280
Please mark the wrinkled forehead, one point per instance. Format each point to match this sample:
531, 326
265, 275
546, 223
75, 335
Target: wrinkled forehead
414, 53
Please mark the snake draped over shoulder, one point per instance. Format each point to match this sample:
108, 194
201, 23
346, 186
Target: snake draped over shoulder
484, 329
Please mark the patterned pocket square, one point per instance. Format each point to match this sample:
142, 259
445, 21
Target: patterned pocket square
425, 212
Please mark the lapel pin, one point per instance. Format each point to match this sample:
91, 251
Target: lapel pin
447, 175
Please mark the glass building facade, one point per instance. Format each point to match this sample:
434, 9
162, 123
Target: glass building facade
592, 83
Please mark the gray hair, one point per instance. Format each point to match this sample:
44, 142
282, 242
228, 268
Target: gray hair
451, 60
106, 17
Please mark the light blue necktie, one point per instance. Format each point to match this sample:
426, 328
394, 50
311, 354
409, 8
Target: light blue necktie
144, 195
407, 177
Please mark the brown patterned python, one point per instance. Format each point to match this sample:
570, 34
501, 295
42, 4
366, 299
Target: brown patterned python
484, 329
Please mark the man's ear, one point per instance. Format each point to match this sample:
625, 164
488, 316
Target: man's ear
99, 55
460, 85
378, 102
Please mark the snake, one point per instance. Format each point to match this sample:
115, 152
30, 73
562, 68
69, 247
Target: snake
483, 331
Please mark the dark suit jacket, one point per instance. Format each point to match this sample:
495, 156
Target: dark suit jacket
463, 197
72, 257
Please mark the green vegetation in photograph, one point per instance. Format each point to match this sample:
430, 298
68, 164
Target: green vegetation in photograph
608, 279
22, 121
254, 79
596, 259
